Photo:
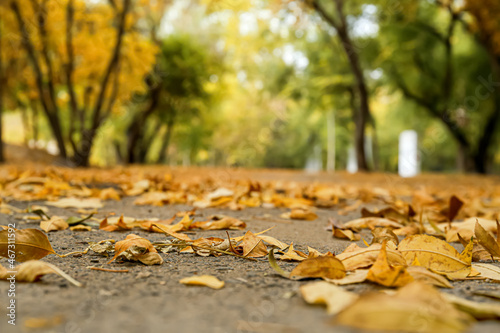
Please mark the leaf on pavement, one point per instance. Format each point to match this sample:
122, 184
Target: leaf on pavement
300, 214
371, 223
485, 239
424, 275
384, 274
119, 226
335, 298
76, 203
33, 270
293, 255
136, 248
320, 267
253, 246
428, 309
437, 255
355, 257
488, 271
30, 244
224, 223
54, 224
353, 277
203, 280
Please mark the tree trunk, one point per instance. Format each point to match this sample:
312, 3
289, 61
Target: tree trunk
162, 157
136, 127
330, 159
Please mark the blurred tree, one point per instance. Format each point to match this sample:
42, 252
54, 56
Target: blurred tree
435, 77
182, 72
3, 85
334, 13
76, 77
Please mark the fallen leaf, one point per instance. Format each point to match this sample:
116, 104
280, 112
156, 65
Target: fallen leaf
436, 255
487, 241
33, 270
293, 255
109, 194
454, 207
416, 307
119, 226
355, 257
136, 248
345, 234
300, 214
335, 298
76, 203
488, 271
320, 267
273, 241
424, 275
253, 247
371, 223
352, 277
80, 227
54, 224
225, 223
480, 311
384, 234
203, 280
30, 244
384, 274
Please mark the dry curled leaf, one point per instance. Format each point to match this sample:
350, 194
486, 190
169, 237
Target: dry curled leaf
487, 241
335, 298
203, 280
30, 244
300, 214
54, 224
253, 246
136, 248
384, 274
119, 226
33, 270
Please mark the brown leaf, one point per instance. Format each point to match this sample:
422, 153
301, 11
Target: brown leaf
293, 255
436, 255
33, 270
384, 274
136, 248
225, 223
253, 247
371, 223
109, 194
384, 234
345, 234
29, 244
454, 207
203, 280
356, 276
80, 227
487, 241
119, 226
76, 203
320, 267
300, 214
420, 302
54, 224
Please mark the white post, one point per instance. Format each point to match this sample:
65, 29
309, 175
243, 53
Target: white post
408, 159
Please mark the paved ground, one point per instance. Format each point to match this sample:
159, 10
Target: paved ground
253, 300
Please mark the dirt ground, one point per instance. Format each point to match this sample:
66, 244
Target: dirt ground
151, 299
